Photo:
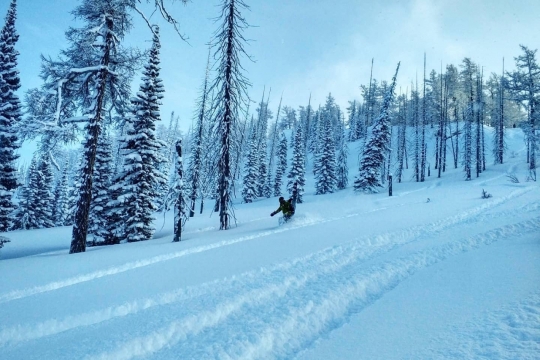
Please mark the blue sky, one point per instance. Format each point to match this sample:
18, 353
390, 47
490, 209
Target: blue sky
307, 46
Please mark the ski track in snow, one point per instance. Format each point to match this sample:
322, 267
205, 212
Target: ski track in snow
514, 332
18, 294
362, 249
302, 306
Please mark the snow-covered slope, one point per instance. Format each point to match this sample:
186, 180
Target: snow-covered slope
351, 277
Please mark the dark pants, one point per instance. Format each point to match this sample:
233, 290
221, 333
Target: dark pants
288, 216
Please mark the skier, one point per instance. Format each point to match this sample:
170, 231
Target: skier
286, 206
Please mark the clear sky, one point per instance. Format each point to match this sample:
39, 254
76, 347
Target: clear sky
307, 46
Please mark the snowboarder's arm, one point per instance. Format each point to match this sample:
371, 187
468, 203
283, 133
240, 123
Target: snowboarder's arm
275, 212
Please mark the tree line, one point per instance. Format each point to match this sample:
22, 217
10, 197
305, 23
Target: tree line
130, 164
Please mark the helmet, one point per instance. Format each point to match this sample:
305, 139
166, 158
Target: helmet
281, 198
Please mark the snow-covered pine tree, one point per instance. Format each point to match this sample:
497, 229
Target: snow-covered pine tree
163, 165
342, 169
356, 121
240, 148
10, 115
251, 175
440, 163
319, 139
23, 217
195, 166
264, 187
297, 173
95, 56
497, 119
73, 196
96, 71
180, 204
99, 210
61, 201
479, 110
451, 85
117, 210
423, 144
44, 196
325, 165
168, 135
313, 133
141, 175
281, 164
402, 135
467, 75
338, 127
501, 145
36, 197
351, 113
377, 147
272, 152
230, 86
306, 122
467, 140
524, 87
415, 101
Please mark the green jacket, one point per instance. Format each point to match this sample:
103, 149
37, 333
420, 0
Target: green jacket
286, 207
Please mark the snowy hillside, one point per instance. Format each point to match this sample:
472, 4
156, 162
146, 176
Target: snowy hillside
351, 277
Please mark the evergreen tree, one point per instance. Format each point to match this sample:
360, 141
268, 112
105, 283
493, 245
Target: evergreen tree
297, 173
352, 119
141, 150
402, 135
467, 75
281, 164
44, 197
251, 175
10, 115
195, 166
325, 166
377, 147
313, 135
423, 145
497, 118
36, 198
61, 201
96, 47
452, 82
342, 171
524, 87
264, 189
479, 106
180, 214
230, 87
443, 123
99, 210
116, 214
23, 217
355, 121
272, 154
73, 196
306, 115
163, 165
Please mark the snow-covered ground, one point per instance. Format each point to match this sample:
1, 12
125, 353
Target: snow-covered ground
351, 277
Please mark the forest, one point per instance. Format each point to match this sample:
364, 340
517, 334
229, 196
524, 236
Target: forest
108, 160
